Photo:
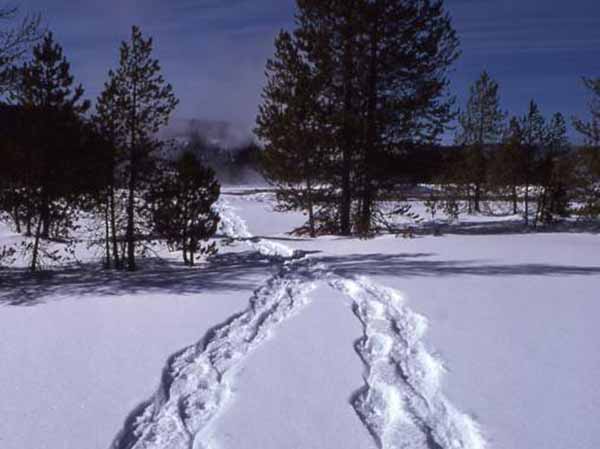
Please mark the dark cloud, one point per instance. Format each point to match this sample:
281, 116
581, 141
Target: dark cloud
214, 51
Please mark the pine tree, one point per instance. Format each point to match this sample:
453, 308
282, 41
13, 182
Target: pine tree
328, 32
588, 158
533, 127
590, 130
383, 67
288, 124
481, 126
508, 163
144, 103
554, 172
410, 46
52, 138
182, 201
108, 125
13, 169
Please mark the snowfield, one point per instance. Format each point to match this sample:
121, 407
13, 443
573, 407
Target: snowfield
468, 341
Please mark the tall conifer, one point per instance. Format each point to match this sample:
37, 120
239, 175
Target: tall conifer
143, 104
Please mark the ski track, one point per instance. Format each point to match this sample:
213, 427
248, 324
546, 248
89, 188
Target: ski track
401, 403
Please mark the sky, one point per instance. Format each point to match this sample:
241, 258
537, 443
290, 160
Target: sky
214, 51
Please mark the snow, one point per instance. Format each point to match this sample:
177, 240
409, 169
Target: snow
461, 341
294, 391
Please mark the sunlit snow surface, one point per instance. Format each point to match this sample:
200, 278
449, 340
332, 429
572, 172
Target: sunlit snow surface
267, 347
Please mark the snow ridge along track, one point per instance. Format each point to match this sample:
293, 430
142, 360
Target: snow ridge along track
402, 404
196, 383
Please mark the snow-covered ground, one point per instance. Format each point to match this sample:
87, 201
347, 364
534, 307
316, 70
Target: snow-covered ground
463, 341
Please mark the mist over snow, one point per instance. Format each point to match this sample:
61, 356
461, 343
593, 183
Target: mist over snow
221, 133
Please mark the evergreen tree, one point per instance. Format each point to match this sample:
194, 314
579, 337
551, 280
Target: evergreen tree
182, 201
590, 130
14, 169
288, 124
410, 46
533, 127
108, 125
481, 126
143, 104
554, 172
588, 158
52, 138
382, 67
507, 163
328, 32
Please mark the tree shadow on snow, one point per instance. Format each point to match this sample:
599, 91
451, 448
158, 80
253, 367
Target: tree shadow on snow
416, 265
224, 272
506, 227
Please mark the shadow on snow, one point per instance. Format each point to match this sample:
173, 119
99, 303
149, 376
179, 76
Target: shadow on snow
224, 272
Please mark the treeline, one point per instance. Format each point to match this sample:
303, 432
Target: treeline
357, 105
62, 161
527, 161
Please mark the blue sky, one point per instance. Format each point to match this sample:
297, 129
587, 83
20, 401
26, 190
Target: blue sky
214, 51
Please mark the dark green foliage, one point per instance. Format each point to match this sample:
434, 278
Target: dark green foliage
181, 202
588, 158
590, 130
288, 123
49, 146
110, 202
554, 172
136, 103
507, 165
481, 126
356, 86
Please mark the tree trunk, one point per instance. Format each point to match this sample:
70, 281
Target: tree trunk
45, 216
527, 203
185, 255
107, 234
477, 198
348, 132
36, 246
17, 219
131, 266
310, 206
28, 215
113, 225
371, 145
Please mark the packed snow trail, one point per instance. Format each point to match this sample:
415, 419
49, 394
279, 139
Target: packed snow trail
197, 383
401, 404
236, 229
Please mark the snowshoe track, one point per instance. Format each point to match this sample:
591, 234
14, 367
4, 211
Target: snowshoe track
197, 382
236, 229
401, 403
